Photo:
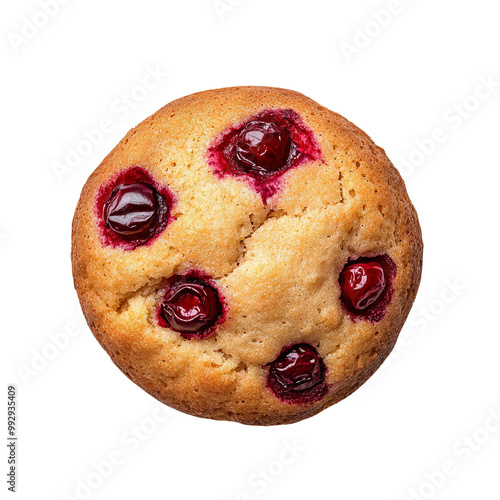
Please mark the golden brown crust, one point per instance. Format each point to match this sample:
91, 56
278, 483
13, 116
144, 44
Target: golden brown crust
277, 264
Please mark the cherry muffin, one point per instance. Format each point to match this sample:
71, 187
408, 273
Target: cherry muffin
246, 254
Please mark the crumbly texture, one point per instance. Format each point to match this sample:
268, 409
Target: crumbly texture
276, 264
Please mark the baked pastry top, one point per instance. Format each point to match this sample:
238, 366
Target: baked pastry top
246, 254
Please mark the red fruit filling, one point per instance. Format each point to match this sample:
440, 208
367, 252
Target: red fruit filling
367, 287
132, 209
298, 375
263, 148
191, 306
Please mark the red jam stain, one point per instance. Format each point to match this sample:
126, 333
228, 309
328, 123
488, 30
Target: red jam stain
367, 286
191, 305
297, 376
263, 148
132, 209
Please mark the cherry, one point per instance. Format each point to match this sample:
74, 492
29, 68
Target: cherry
298, 375
131, 211
263, 146
362, 284
191, 306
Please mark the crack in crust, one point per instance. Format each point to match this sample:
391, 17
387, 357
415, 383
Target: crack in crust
146, 290
271, 214
341, 187
153, 285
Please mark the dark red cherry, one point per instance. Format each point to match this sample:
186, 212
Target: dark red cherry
191, 306
362, 285
131, 211
298, 374
263, 146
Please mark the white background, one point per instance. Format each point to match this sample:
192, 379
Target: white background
433, 403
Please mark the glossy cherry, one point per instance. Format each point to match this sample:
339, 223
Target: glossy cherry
131, 211
362, 285
263, 146
191, 306
298, 374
